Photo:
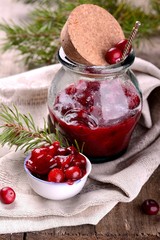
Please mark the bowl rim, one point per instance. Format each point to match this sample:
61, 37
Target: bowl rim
54, 183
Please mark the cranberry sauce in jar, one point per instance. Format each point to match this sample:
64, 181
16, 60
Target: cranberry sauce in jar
98, 107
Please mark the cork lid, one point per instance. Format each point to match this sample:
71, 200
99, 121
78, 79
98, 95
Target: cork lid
88, 33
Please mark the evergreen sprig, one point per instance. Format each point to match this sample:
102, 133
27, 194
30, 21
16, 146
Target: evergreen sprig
38, 40
19, 129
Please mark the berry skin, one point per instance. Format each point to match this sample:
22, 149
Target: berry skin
150, 207
72, 150
121, 45
73, 173
62, 151
38, 152
39, 165
56, 144
52, 150
56, 175
42, 159
63, 161
113, 55
79, 161
7, 195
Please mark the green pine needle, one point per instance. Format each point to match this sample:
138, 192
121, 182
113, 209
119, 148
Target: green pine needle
19, 129
38, 40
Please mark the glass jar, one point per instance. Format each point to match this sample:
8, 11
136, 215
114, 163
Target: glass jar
96, 107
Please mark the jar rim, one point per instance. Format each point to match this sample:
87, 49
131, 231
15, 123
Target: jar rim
92, 69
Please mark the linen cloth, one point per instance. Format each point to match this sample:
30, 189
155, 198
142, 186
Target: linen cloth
109, 183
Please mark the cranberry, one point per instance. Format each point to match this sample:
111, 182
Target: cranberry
132, 98
56, 144
150, 207
63, 161
56, 175
93, 86
133, 102
62, 151
73, 173
71, 90
79, 160
52, 150
57, 164
113, 55
50, 162
38, 153
39, 165
85, 99
72, 150
41, 159
121, 45
7, 195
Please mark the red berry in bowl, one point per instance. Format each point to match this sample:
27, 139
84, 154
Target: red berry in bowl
52, 150
38, 152
63, 161
79, 160
56, 144
72, 150
62, 151
113, 55
150, 207
56, 175
73, 173
39, 165
7, 195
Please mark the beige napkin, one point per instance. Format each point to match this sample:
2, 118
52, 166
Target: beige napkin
109, 183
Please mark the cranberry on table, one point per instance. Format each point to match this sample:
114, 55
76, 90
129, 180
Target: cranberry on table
150, 207
113, 55
7, 195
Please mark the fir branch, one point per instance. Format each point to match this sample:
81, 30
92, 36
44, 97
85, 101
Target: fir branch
39, 1
19, 129
38, 40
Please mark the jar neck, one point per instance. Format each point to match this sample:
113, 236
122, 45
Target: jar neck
117, 68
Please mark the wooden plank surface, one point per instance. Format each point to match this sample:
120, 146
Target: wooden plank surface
125, 222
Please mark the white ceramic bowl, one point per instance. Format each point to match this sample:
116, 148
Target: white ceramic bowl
57, 191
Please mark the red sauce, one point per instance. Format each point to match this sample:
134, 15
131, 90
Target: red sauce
101, 115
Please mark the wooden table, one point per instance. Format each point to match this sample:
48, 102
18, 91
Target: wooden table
124, 222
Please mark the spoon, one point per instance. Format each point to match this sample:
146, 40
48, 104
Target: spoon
130, 39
